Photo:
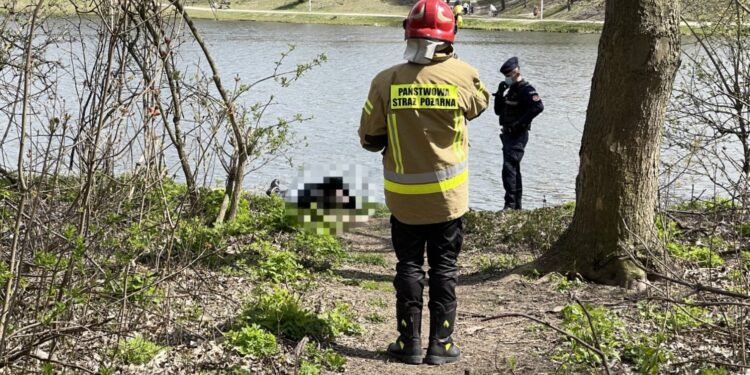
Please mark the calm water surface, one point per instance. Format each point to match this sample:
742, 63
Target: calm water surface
560, 66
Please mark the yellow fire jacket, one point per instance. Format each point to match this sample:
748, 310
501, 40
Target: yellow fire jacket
418, 113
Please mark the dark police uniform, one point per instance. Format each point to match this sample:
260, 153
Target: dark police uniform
516, 109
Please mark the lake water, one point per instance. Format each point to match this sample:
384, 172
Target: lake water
560, 66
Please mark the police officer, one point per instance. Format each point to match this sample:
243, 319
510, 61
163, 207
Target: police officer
416, 113
516, 109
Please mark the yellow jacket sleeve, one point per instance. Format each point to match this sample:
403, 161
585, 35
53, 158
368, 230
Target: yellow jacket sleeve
373, 127
479, 99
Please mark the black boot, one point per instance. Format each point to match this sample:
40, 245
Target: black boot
442, 350
408, 346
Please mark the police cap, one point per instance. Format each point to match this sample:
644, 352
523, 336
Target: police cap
509, 65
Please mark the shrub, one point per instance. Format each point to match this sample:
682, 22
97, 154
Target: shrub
647, 353
744, 229
137, 350
280, 311
700, 255
318, 252
666, 231
340, 321
194, 238
139, 288
253, 341
323, 358
276, 265
607, 326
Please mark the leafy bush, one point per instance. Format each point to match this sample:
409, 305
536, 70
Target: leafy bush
563, 284
323, 358
745, 260
5, 273
276, 265
139, 287
744, 229
607, 326
676, 317
647, 353
713, 371
699, 205
194, 238
255, 213
308, 368
340, 321
280, 311
700, 255
666, 230
318, 252
137, 350
253, 341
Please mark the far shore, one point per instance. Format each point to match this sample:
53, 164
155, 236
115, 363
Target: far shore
363, 19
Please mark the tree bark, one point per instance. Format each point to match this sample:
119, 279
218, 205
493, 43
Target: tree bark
617, 182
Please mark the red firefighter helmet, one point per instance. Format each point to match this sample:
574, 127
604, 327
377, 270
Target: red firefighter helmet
431, 19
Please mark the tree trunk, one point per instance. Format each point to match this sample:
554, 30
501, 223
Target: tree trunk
617, 182
239, 178
502, 5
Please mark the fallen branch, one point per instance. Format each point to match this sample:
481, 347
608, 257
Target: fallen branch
571, 336
63, 364
718, 363
696, 286
697, 303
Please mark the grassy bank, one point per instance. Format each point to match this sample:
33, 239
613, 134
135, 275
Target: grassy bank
297, 18
469, 24
260, 296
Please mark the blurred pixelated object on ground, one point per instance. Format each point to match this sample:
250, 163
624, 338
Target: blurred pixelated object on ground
331, 199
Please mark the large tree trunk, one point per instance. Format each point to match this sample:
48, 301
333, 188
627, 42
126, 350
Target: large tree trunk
617, 182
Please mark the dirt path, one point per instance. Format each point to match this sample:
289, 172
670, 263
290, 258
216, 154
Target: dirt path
488, 347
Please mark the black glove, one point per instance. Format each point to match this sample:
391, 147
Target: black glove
501, 89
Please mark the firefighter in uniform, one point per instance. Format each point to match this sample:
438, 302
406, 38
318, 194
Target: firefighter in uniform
516, 109
416, 113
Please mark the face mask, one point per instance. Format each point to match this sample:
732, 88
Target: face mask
509, 81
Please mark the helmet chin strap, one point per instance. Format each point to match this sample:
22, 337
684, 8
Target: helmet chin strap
421, 51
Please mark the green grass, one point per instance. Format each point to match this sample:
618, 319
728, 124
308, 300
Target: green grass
376, 318
369, 259
253, 341
377, 302
298, 18
137, 350
522, 25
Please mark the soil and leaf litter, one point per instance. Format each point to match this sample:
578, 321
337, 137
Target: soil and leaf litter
266, 297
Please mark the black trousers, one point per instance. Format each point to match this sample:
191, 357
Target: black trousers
443, 243
514, 146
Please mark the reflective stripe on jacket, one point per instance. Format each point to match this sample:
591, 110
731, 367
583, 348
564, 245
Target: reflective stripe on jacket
419, 113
